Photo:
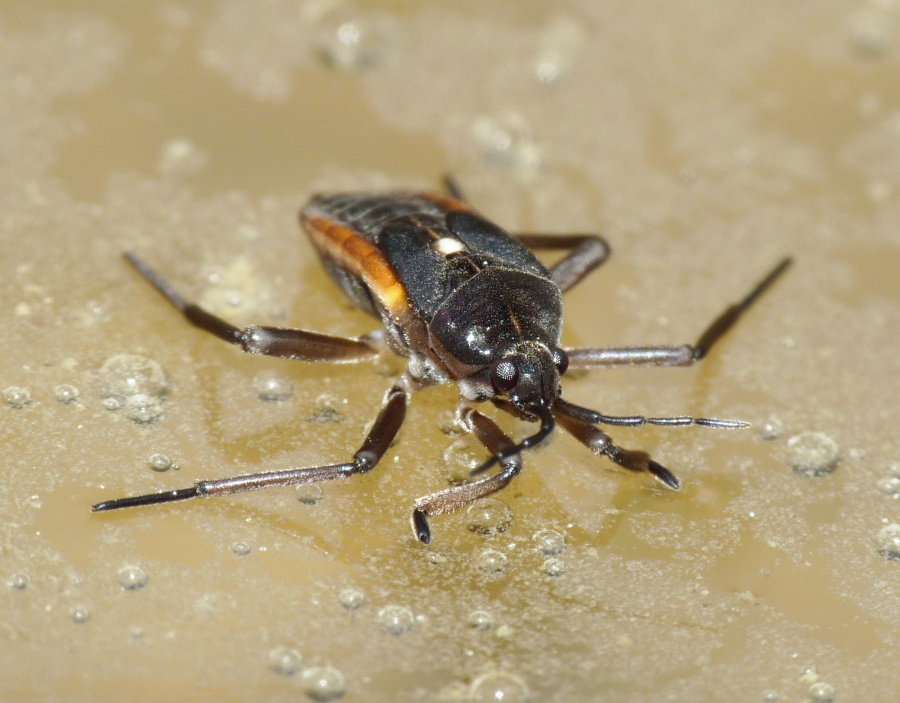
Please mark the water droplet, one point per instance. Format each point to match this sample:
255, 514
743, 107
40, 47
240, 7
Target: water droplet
19, 581
113, 403
549, 542
133, 578
327, 405
272, 386
323, 683
309, 493
160, 462
241, 549
79, 615
887, 541
125, 375
554, 567
181, 157
66, 393
284, 661
16, 396
890, 486
497, 686
491, 561
396, 619
771, 696
459, 459
351, 598
481, 620
143, 409
488, 517
507, 141
354, 41
773, 429
822, 692
813, 453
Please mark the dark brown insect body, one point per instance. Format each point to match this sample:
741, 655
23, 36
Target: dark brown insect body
464, 302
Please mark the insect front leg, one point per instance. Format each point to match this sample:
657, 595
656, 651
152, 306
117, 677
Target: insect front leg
383, 432
283, 342
493, 438
682, 354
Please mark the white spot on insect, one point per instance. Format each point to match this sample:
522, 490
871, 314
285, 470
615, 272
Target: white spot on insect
448, 246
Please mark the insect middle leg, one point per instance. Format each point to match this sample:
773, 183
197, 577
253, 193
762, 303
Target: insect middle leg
682, 354
376, 443
283, 342
493, 438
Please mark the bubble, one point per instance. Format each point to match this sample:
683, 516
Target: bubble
491, 561
160, 462
272, 386
66, 393
507, 141
284, 661
813, 453
143, 409
133, 578
771, 696
554, 567
16, 396
890, 486
323, 683
181, 157
396, 619
353, 42
458, 460
19, 581
549, 542
887, 541
241, 549
498, 686
327, 405
488, 517
113, 403
773, 429
481, 620
822, 692
351, 599
79, 615
125, 375
309, 493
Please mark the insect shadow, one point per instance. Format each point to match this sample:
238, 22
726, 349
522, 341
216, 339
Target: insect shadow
463, 302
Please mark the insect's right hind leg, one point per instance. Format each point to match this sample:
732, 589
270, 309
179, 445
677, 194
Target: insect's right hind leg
383, 432
282, 342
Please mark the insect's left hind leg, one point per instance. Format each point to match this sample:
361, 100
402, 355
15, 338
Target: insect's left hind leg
493, 438
682, 354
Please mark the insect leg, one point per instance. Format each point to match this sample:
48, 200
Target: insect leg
588, 252
275, 341
678, 355
493, 438
383, 431
600, 443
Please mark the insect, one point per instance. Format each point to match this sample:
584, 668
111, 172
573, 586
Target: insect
463, 301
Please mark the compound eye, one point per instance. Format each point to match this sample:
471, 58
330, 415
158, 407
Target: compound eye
560, 360
504, 375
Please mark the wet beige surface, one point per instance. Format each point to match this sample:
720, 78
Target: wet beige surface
705, 140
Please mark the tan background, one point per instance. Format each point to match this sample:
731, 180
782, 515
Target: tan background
705, 140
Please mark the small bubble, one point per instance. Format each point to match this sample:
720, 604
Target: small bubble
66, 393
459, 459
272, 386
890, 486
79, 615
133, 578
481, 620
813, 453
446, 422
498, 686
160, 462
549, 542
16, 396
284, 661
356, 42
309, 493
126, 375
323, 683
887, 541
143, 409
113, 403
507, 141
241, 549
773, 429
351, 599
396, 619
491, 561
19, 581
488, 517
822, 692
554, 567
181, 157
327, 411
771, 697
